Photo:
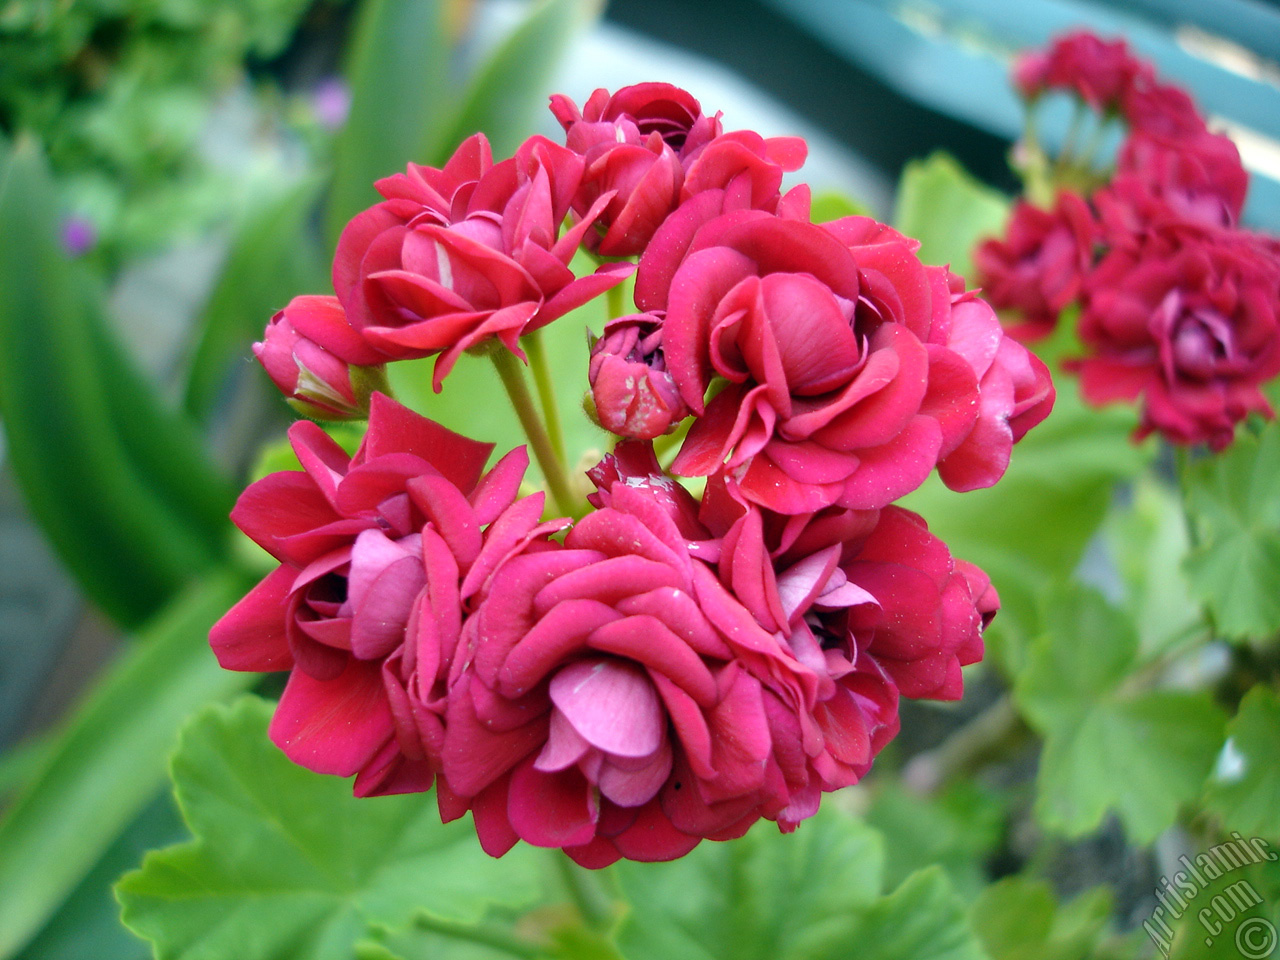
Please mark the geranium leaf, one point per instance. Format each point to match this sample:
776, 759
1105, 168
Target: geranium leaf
1020, 919
947, 210
286, 863
760, 897
1111, 762
1245, 787
1098, 753
1234, 501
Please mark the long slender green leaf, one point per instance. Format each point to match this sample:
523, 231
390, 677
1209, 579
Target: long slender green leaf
397, 67
110, 759
120, 485
515, 80
272, 258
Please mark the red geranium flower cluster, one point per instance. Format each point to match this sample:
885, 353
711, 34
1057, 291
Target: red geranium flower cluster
668, 668
1178, 306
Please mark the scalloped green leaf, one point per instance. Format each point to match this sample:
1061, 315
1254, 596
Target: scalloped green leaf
286, 863
121, 485
1244, 790
1234, 501
1141, 754
1020, 919
815, 893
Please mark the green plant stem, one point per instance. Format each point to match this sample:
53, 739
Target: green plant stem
537, 352
615, 305
584, 892
509, 371
1067, 154
995, 732
670, 442
488, 936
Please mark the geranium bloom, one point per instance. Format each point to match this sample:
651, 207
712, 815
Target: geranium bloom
1196, 178
825, 336
1186, 319
651, 147
1037, 268
1101, 72
457, 256
626, 697
379, 554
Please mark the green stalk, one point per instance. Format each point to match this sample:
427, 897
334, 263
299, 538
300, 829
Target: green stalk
537, 352
585, 892
1067, 154
509, 371
615, 305
487, 936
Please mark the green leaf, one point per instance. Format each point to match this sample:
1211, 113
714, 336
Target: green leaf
947, 210
1148, 542
814, 894
923, 919
397, 66
830, 205
1245, 787
1030, 530
956, 829
1229, 909
1234, 501
1141, 757
87, 926
120, 485
1141, 754
287, 863
109, 759
514, 82
1020, 919
273, 258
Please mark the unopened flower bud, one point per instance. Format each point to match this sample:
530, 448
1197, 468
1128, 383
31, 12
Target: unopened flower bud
633, 393
319, 363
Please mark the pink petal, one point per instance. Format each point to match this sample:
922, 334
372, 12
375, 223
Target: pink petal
333, 726
611, 704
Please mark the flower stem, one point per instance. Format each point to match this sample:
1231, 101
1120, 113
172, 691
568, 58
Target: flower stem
536, 350
996, 731
585, 893
509, 371
615, 305
493, 937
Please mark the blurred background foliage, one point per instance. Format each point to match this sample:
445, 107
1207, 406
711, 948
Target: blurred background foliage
173, 171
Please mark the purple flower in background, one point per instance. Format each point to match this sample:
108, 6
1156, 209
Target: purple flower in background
331, 101
79, 236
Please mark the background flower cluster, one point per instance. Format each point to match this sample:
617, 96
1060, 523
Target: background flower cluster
1174, 303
